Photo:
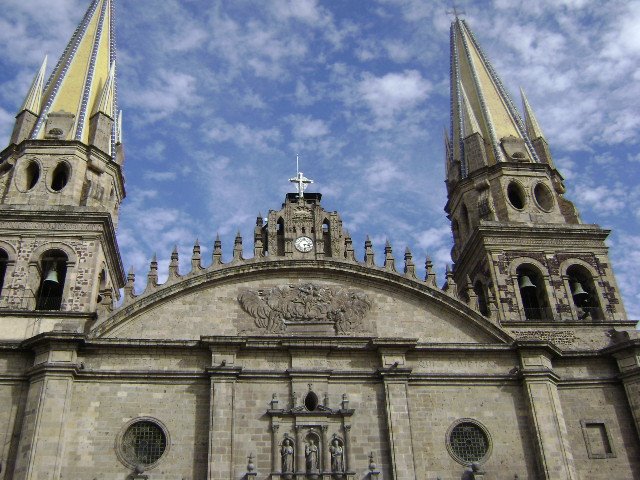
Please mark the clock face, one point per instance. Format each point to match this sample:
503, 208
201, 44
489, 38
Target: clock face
304, 244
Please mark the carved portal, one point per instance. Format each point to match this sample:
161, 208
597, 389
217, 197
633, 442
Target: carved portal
292, 307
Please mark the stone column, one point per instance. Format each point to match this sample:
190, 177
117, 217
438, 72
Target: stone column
398, 423
326, 454
42, 438
300, 463
554, 456
349, 463
276, 466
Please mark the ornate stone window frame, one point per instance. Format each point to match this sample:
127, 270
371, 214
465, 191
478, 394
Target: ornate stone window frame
590, 451
120, 437
480, 426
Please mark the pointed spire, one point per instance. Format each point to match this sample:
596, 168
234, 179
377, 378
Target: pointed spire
33, 100
77, 83
368, 253
389, 260
217, 251
533, 128
105, 103
430, 275
479, 102
196, 259
409, 266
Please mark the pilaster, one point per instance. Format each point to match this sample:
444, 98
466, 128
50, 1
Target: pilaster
554, 455
628, 359
224, 374
42, 439
395, 378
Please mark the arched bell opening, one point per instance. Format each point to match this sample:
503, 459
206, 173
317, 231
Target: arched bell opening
533, 294
481, 292
326, 237
4, 261
53, 268
583, 293
280, 237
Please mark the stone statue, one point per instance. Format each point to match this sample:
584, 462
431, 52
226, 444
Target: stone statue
311, 454
287, 456
337, 456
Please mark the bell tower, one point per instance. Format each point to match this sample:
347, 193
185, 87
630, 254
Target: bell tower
61, 184
302, 229
518, 242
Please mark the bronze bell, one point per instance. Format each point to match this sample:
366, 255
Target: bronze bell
52, 275
525, 282
578, 291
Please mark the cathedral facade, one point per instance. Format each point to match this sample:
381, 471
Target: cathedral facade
299, 360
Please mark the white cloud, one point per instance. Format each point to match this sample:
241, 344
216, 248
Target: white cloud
393, 92
305, 127
159, 176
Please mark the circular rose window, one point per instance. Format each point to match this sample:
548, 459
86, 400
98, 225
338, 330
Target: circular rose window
468, 442
142, 443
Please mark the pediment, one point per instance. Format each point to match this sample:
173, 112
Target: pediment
295, 298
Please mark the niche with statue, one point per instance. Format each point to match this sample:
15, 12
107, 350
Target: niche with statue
311, 440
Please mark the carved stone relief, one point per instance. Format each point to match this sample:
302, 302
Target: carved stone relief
281, 308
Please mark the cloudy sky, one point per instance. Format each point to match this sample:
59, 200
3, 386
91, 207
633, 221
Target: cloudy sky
219, 96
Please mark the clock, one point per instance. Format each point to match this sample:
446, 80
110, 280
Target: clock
304, 244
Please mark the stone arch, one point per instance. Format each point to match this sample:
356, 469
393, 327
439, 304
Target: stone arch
52, 282
280, 237
480, 289
581, 282
532, 289
7, 264
326, 236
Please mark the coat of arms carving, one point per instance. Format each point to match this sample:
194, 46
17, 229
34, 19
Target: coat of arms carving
279, 308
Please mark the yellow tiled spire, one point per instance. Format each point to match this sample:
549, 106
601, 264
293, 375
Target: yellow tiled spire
479, 101
78, 81
33, 100
533, 128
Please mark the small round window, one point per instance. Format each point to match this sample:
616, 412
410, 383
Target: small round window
543, 196
515, 195
60, 176
468, 442
143, 444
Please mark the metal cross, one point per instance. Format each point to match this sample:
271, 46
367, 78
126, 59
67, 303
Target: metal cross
455, 11
300, 180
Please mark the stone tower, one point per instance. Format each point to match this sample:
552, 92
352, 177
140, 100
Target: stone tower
61, 185
519, 244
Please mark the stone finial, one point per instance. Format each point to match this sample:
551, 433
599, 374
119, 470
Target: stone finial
217, 251
345, 401
174, 264
258, 243
326, 399
237, 248
294, 396
250, 466
259, 220
368, 253
152, 276
430, 275
274, 401
129, 287
449, 286
349, 253
471, 295
196, 258
373, 468
409, 266
389, 260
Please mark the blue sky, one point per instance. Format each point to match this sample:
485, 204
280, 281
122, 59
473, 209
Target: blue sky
218, 98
